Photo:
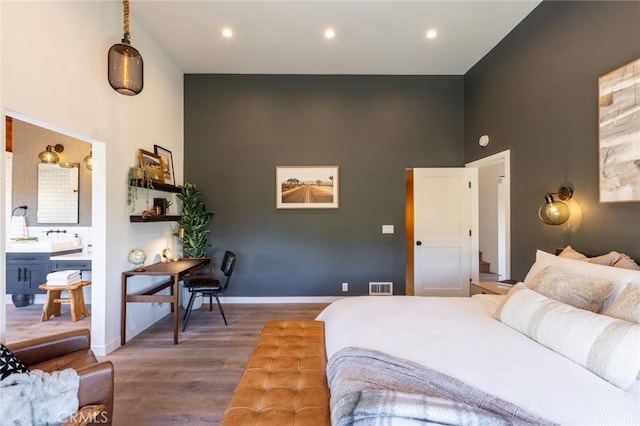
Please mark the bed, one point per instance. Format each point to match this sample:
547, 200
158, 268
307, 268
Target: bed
501, 347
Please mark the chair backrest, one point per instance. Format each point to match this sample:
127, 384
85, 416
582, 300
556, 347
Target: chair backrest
228, 263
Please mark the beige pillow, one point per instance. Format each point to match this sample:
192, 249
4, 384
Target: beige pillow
570, 253
606, 346
618, 276
626, 262
627, 305
606, 259
576, 290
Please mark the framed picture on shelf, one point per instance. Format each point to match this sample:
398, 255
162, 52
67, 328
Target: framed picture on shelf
306, 187
167, 164
152, 163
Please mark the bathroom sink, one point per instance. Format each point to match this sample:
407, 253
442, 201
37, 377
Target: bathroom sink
30, 246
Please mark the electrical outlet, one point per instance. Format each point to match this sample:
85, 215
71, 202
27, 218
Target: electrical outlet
345, 286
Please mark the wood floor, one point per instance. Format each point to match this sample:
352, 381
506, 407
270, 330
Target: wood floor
159, 383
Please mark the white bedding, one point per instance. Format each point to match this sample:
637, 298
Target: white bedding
458, 336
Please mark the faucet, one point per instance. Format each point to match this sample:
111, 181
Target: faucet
57, 231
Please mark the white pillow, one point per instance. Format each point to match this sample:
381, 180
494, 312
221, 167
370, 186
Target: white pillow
606, 346
618, 276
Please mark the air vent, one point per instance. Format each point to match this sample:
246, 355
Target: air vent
380, 289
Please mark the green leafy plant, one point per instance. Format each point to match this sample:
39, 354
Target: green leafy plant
194, 222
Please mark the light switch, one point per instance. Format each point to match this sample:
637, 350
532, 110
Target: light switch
387, 229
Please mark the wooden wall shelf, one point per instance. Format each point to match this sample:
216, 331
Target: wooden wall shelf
138, 218
158, 186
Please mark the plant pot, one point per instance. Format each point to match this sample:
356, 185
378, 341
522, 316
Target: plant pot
21, 300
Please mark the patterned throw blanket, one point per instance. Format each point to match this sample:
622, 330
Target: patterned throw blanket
38, 398
370, 388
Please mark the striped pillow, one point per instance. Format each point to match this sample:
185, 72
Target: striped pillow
607, 346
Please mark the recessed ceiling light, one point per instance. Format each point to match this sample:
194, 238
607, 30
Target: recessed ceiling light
329, 33
227, 33
432, 34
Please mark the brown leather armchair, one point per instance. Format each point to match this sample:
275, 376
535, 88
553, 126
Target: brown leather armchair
72, 349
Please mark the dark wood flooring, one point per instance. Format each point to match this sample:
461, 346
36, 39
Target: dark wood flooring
159, 383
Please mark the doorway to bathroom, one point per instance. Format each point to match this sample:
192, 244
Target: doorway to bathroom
48, 212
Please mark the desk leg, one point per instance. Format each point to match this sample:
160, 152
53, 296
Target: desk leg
176, 292
123, 312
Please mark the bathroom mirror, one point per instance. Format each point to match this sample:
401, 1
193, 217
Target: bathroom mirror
58, 190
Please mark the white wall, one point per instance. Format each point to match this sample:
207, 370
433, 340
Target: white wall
54, 71
488, 212
3, 288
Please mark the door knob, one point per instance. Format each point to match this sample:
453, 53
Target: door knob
418, 243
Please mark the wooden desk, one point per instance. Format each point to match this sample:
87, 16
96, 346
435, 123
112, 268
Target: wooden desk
175, 271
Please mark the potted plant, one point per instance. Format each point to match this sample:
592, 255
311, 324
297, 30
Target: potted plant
195, 218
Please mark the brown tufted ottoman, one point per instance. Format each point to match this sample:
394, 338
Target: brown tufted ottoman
284, 381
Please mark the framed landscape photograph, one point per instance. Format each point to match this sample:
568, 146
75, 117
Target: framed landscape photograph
167, 164
152, 163
306, 187
619, 131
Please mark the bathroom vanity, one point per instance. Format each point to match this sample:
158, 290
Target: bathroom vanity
26, 271
29, 263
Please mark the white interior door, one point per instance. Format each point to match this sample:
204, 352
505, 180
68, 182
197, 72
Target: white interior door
445, 237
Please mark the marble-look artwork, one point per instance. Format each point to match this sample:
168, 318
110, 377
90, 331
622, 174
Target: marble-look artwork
619, 125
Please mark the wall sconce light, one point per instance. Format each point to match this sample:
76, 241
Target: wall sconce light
88, 161
556, 212
48, 156
125, 65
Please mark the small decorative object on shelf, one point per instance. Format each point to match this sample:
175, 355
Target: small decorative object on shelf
166, 255
137, 257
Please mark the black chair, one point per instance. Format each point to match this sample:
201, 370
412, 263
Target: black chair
207, 285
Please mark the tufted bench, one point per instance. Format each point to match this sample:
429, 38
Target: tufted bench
284, 381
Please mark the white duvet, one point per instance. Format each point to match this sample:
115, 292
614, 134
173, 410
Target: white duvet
458, 336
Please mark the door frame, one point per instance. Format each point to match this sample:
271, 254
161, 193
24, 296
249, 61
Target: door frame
504, 247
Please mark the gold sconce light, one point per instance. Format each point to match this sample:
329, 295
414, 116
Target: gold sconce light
49, 156
554, 212
88, 161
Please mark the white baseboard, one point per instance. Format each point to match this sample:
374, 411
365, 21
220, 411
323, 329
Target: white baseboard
292, 299
148, 322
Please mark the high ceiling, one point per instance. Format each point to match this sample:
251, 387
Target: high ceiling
287, 37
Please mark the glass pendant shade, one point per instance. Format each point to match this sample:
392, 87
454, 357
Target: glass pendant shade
48, 156
125, 68
553, 212
88, 161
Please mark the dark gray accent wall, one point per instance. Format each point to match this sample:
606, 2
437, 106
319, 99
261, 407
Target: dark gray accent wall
238, 128
536, 94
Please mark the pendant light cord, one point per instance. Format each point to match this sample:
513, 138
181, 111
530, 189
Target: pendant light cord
125, 5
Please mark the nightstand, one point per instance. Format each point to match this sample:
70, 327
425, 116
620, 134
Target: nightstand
487, 287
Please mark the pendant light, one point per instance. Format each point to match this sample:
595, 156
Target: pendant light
125, 66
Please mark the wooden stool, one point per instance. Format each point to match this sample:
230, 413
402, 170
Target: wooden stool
76, 299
